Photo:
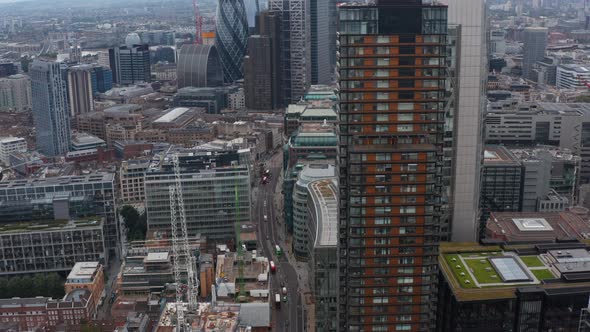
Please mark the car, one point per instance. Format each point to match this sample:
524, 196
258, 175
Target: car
284, 290
265, 217
284, 298
267, 237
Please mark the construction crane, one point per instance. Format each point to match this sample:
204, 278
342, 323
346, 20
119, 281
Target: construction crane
180, 248
198, 24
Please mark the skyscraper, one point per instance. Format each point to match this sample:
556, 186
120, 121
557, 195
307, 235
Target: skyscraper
231, 36
295, 46
130, 64
80, 89
50, 107
392, 101
535, 45
262, 74
322, 40
102, 79
469, 66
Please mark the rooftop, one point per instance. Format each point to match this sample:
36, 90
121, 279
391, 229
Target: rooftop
50, 225
577, 68
6, 140
495, 154
83, 270
61, 180
476, 272
539, 226
324, 196
172, 115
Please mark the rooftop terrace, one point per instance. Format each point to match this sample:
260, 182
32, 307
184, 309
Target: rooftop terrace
50, 225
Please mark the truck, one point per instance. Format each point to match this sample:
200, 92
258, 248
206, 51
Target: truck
277, 300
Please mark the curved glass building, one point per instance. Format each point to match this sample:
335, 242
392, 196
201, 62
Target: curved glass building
231, 36
199, 66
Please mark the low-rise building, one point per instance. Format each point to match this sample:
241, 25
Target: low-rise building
131, 180
90, 276
84, 141
9, 145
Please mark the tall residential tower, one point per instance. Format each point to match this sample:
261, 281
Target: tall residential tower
392, 101
50, 107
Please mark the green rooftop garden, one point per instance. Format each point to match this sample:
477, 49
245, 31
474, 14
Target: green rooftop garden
483, 271
457, 267
543, 274
38, 225
532, 261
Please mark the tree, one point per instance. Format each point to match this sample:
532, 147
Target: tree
39, 284
3, 286
15, 287
582, 99
55, 286
27, 285
135, 223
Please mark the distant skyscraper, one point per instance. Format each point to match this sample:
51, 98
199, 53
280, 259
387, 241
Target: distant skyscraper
80, 89
262, 83
231, 36
535, 45
50, 107
130, 64
323, 42
257, 74
391, 130
295, 39
199, 66
469, 66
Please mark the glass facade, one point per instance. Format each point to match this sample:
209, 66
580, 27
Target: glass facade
231, 37
392, 102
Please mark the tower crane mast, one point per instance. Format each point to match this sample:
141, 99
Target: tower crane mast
198, 24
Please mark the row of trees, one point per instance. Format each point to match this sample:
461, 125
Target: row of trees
40, 284
135, 223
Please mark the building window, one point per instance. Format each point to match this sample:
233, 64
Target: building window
382, 39
403, 327
405, 117
405, 106
405, 128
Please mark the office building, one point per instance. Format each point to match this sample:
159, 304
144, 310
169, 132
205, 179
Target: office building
199, 66
564, 125
130, 64
96, 189
464, 119
50, 245
213, 100
15, 93
80, 90
295, 46
216, 183
9, 145
231, 36
258, 74
570, 76
102, 79
87, 275
131, 179
535, 45
156, 37
323, 40
537, 288
497, 42
311, 172
83, 141
8, 69
390, 157
143, 272
322, 206
50, 107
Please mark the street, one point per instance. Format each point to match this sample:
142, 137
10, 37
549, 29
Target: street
290, 316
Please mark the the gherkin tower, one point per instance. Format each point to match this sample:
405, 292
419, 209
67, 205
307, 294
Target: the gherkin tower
231, 36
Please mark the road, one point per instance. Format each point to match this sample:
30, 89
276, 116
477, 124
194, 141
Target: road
289, 317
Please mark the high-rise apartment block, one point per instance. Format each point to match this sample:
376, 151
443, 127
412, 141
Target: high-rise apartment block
15, 93
392, 100
80, 89
535, 45
50, 107
130, 64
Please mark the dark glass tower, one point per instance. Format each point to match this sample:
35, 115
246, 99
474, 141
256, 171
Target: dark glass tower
392, 100
231, 37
